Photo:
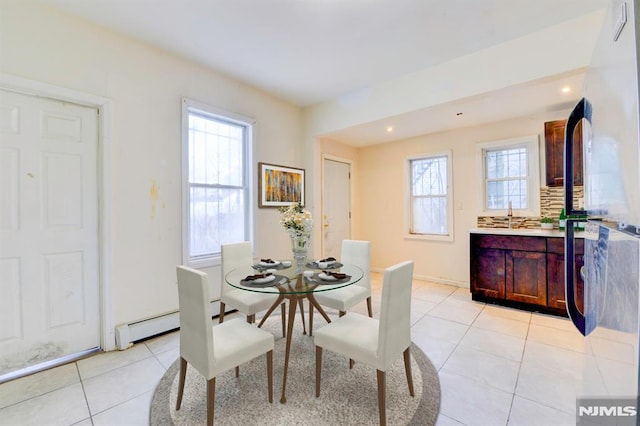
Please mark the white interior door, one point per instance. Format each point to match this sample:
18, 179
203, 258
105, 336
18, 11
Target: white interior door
336, 206
48, 230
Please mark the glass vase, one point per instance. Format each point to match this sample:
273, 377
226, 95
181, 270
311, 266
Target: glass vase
299, 247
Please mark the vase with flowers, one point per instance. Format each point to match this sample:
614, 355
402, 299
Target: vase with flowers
298, 222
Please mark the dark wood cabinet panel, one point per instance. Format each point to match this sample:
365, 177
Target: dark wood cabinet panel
555, 281
521, 271
510, 242
554, 153
488, 272
526, 279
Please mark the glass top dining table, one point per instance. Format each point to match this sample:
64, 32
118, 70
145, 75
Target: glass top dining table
289, 284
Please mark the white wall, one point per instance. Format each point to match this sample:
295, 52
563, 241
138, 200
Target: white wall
554, 50
145, 87
380, 183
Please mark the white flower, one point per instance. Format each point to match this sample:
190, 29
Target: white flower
296, 218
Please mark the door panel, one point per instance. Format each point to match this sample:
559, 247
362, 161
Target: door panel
336, 207
488, 272
531, 272
48, 229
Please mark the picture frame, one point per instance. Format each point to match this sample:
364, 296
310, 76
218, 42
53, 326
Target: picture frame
280, 185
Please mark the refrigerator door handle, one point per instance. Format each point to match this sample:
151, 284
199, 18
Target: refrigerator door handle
576, 316
582, 110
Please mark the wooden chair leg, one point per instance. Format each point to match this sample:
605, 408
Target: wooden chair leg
407, 370
221, 316
351, 363
310, 319
369, 307
382, 397
318, 369
211, 397
183, 375
342, 313
304, 326
237, 370
270, 374
251, 318
283, 313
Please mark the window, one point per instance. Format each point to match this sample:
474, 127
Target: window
510, 176
216, 182
430, 209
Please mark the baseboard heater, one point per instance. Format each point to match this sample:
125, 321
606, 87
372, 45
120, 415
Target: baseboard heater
127, 334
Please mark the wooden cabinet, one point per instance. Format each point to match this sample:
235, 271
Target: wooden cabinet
526, 279
554, 153
489, 271
555, 273
526, 272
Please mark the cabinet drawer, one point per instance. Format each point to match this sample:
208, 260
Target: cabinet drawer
556, 245
510, 242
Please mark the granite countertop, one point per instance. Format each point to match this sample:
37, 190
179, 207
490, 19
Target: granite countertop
523, 232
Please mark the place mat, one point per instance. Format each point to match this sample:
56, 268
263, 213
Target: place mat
314, 265
277, 266
276, 281
315, 278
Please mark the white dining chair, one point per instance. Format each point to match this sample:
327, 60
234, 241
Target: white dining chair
377, 343
342, 299
214, 350
236, 255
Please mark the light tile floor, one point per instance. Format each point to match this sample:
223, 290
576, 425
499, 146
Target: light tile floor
497, 366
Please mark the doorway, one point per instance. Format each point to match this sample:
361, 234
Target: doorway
336, 205
49, 227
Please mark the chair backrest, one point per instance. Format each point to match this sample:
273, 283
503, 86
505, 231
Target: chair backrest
234, 255
358, 253
395, 312
196, 338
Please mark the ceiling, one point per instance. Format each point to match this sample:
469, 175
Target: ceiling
311, 51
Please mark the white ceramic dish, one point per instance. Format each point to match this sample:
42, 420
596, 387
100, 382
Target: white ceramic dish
326, 277
325, 264
264, 280
274, 263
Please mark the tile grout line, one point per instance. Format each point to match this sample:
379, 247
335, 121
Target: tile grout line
515, 386
84, 393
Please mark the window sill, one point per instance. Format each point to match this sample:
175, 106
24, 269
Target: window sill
429, 237
204, 263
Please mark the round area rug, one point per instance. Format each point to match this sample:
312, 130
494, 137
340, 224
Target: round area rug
347, 396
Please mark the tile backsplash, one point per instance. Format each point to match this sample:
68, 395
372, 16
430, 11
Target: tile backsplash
551, 203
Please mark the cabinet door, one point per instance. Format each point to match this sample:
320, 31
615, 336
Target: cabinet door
554, 153
526, 278
488, 272
555, 278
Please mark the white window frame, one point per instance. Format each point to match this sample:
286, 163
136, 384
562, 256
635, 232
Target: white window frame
449, 197
189, 105
531, 143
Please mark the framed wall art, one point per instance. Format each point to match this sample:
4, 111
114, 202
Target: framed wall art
280, 185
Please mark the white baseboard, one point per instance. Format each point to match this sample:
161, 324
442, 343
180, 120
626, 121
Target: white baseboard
126, 334
429, 278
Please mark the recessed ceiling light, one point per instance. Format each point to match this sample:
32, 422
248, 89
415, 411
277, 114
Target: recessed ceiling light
389, 129
566, 89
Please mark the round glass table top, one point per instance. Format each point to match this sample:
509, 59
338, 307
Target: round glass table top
286, 279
